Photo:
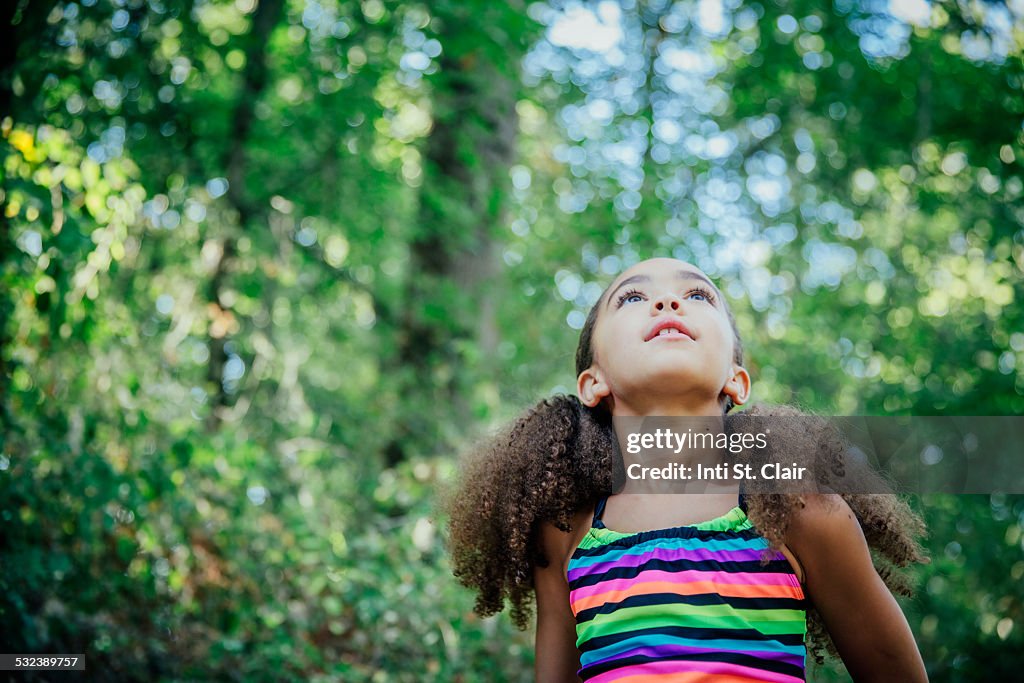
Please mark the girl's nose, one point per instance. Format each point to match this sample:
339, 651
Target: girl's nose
666, 302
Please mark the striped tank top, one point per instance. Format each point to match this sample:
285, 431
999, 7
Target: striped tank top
687, 604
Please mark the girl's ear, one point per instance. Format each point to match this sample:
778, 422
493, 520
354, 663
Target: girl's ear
738, 386
591, 387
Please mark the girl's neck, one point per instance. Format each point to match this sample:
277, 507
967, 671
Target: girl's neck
659, 433
674, 455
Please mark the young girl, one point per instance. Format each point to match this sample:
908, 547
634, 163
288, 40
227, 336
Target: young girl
674, 587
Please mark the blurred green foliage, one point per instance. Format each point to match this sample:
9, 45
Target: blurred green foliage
267, 266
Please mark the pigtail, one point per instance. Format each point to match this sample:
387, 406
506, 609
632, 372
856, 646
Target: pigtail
891, 528
553, 461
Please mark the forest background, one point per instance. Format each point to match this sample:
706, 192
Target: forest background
267, 267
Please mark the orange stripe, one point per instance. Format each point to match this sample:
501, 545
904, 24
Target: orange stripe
690, 588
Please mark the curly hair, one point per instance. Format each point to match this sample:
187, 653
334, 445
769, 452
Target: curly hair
557, 459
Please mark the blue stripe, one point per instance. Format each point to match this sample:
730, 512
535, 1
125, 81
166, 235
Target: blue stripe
708, 645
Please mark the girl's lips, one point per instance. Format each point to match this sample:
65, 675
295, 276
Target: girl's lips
669, 324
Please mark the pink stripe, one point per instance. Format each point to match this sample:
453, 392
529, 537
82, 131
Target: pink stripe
675, 667
685, 577
666, 650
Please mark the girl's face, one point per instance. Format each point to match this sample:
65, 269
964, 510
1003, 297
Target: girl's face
663, 340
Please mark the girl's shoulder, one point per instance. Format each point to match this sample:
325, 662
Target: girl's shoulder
557, 545
822, 513
824, 529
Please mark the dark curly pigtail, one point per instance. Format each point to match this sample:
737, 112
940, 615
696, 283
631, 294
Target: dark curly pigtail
890, 527
554, 460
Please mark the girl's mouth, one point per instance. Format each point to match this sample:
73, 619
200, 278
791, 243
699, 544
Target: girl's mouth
668, 328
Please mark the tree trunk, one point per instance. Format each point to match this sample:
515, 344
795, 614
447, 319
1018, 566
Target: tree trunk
450, 297
267, 14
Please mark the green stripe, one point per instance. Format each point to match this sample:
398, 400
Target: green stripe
622, 620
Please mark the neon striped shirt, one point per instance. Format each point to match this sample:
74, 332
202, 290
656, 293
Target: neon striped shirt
687, 604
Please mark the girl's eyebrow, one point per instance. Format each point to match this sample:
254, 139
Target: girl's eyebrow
682, 275
628, 280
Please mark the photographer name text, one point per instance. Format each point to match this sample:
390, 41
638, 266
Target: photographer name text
720, 472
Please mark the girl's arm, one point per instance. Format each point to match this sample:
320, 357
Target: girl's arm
557, 659
865, 621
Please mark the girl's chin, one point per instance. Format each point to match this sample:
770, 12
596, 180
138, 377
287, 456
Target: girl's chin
677, 366
685, 382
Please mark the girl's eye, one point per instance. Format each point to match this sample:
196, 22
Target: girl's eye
701, 294
629, 297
